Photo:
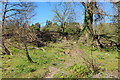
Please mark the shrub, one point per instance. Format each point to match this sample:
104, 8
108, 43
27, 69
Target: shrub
80, 70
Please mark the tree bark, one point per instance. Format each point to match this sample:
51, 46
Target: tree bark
97, 39
63, 27
5, 50
27, 54
88, 19
100, 45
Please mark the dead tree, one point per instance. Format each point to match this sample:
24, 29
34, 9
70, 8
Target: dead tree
9, 12
64, 12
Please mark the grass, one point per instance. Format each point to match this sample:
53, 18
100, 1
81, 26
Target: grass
17, 65
0, 67
107, 60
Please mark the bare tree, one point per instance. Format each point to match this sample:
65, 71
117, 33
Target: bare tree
64, 12
89, 9
21, 16
10, 11
92, 8
23, 36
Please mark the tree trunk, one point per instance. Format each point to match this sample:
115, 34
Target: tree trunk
63, 27
97, 39
100, 45
88, 19
27, 54
5, 50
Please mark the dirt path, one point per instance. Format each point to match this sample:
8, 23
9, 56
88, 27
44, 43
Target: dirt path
67, 63
75, 57
52, 71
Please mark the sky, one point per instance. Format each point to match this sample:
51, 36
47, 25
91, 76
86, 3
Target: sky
59, 0
44, 12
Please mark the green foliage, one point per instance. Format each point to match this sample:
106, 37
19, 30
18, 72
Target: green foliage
80, 70
48, 23
23, 69
17, 66
45, 29
105, 28
15, 51
72, 28
0, 67
51, 26
35, 26
48, 26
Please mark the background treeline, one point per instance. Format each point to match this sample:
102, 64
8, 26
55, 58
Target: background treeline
17, 29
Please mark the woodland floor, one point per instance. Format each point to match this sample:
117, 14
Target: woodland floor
59, 60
